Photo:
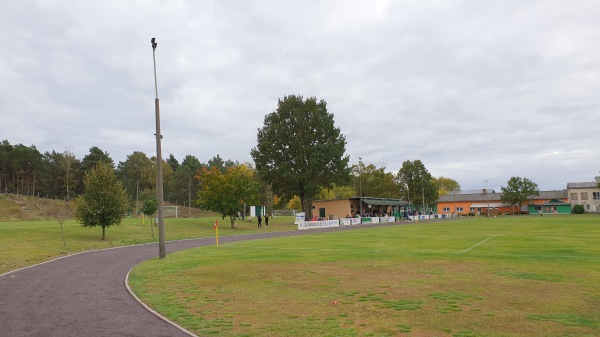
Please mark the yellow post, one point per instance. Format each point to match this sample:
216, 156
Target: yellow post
217, 231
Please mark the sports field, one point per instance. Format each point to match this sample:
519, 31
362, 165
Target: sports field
506, 276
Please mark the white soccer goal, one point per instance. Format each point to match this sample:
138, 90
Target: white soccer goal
284, 212
170, 211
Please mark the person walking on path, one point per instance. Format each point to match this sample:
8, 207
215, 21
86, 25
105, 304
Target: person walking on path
259, 218
267, 219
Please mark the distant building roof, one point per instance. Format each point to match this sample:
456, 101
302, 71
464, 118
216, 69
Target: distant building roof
470, 197
591, 184
488, 197
489, 190
560, 194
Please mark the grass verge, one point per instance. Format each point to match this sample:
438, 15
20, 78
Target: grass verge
25, 243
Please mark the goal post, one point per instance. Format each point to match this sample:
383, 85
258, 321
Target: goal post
284, 212
171, 211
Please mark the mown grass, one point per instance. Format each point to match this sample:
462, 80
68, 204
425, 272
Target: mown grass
508, 276
24, 243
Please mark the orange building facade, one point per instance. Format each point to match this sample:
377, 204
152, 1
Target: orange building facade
489, 202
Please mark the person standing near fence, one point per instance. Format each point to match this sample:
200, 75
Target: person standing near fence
259, 218
267, 219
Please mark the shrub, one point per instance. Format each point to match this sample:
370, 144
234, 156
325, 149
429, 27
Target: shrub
577, 209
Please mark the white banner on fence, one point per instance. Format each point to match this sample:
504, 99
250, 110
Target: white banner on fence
318, 224
421, 217
349, 221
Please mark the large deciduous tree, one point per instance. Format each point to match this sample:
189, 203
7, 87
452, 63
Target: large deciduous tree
137, 173
96, 156
227, 192
104, 200
300, 151
446, 185
416, 184
519, 191
370, 181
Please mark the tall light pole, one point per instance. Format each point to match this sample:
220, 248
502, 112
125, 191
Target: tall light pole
360, 186
423, 188
159, 177
487, 199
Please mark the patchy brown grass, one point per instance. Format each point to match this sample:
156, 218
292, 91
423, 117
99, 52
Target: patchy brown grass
245, 292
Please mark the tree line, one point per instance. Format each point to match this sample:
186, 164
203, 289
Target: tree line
300, 157
60, 175
24, 170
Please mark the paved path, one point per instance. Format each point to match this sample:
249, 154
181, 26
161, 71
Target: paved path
85, 294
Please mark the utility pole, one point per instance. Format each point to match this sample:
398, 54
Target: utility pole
159, 177
360, 185
487, 199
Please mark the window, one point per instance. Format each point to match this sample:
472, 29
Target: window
573, 196
538, 208
459, 209
596, 195
472, 209
584, 196
446, 209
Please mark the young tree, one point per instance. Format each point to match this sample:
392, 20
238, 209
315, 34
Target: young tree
227, 192
300, 150
294, 203
149, 206
61, 213
104, 201
519, 191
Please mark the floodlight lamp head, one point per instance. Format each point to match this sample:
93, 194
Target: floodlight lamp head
154, 43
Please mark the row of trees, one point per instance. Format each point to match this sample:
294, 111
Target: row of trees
24, 170
300, 156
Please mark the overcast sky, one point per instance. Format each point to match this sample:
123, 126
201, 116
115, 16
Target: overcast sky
477, 90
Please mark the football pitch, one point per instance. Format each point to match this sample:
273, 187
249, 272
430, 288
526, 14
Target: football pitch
505, 276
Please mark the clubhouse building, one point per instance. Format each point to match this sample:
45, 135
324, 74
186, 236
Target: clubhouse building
484, 202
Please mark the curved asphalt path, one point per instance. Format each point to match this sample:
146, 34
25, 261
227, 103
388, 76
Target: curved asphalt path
85, 294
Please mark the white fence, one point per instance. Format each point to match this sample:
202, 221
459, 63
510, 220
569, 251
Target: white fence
343, 222
357, 221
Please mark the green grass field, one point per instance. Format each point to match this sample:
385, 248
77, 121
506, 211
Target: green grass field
24, 243
506, 276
